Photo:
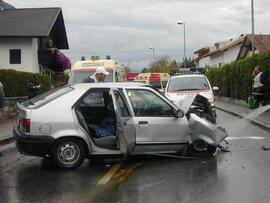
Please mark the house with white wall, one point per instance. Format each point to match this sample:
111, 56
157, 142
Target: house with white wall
30, 40
222, 53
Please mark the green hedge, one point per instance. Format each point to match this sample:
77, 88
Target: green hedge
15, 82
61, 79
235, 79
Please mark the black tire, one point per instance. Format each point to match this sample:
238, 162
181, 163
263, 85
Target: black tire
68, 153
207, 151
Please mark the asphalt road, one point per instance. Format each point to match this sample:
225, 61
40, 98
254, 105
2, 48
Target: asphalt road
241, 175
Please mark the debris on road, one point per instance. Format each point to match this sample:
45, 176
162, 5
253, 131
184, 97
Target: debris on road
265, 148
223, 149
108, 165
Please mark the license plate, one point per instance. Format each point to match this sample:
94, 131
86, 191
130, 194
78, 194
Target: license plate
187, 94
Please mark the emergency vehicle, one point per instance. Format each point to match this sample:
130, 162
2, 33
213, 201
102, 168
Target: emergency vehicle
184, 87
157, 80
84, 68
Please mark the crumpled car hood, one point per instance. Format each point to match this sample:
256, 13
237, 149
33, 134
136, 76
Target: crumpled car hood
185, 103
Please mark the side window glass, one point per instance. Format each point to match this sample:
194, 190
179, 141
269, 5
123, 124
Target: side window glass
145, 103
95, 97
121, 105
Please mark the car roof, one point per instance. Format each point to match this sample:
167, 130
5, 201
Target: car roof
188, 75
109, 85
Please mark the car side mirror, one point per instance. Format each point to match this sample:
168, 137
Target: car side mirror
215, 88
178, 113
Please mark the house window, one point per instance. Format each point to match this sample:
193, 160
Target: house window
15, 56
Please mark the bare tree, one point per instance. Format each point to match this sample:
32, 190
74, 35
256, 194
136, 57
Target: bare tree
162, 65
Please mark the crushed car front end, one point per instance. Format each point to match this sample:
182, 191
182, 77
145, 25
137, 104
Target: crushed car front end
206, 135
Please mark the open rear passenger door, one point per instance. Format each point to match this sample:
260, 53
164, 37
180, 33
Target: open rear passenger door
125, 128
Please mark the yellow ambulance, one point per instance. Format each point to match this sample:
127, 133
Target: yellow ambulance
85, 68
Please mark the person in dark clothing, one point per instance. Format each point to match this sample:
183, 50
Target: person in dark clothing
33, 86
258, 90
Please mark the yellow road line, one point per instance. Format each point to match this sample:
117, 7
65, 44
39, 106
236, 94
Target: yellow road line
127, 170
108, 175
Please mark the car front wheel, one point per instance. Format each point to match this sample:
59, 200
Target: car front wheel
200, 148
68, 153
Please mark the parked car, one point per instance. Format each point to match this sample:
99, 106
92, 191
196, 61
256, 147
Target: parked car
183, 87
111, 119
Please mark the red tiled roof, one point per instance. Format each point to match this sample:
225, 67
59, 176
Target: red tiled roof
261, 42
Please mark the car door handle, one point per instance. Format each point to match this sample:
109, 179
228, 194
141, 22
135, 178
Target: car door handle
143, 122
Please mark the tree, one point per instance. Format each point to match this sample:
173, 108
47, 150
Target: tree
162, 65
144, 70
189, 63
127, 69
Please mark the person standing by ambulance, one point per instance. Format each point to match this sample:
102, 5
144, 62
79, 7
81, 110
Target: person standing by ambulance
258, 90
98, 77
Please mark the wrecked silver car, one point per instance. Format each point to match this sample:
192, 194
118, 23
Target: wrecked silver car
72, 123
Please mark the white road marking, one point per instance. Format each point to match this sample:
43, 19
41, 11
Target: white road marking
246, 138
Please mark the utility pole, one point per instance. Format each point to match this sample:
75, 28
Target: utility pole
153, 49
252, 27
185, 56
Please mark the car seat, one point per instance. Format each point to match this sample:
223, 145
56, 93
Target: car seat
104, 142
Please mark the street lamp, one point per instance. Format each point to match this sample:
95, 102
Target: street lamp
153, 49
185, 57
252, 27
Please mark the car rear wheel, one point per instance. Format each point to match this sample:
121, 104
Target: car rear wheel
68, 153
200, 148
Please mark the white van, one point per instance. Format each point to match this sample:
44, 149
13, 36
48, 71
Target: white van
82, 70
182, 87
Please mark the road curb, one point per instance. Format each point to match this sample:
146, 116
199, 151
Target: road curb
253, 121
6, 140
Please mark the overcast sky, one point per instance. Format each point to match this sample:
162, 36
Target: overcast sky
125, 29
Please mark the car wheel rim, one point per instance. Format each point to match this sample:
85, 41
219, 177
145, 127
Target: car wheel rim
200, 146
68, 153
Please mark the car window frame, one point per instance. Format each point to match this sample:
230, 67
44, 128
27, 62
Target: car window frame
32, 104
85, 94
154, 91
118, 91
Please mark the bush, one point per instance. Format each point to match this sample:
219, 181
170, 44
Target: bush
14, 82
235, 79
61, 79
